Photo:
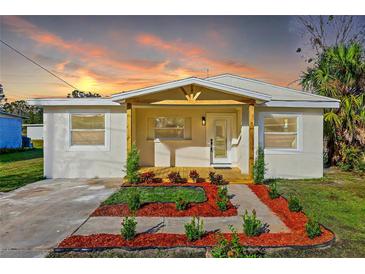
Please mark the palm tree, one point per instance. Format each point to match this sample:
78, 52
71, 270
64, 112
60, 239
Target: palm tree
339, 72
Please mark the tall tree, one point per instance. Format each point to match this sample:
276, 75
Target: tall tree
31, 114
339, 72
82, 94
324, 32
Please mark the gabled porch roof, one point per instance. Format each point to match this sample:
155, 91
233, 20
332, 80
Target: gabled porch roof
192, 81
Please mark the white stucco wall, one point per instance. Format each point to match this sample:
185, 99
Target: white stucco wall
306, 163
61, 161
35, 132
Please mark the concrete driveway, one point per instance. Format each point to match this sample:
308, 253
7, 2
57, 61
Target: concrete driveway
34, 218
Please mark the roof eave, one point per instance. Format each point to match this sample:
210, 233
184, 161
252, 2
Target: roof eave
72, 102
303, 104
190, 81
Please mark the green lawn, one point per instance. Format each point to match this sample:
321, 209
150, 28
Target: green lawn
20, 168
339, 202
158, 194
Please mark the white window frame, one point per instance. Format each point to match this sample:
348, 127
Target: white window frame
105, 147
299, 147
170, 139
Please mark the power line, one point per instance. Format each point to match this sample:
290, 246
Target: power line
35, 63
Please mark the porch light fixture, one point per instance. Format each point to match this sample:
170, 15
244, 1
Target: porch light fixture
203, 121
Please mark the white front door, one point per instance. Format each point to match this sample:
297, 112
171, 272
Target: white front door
219, 131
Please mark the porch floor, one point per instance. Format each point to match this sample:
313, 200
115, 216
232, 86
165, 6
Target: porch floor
233, 175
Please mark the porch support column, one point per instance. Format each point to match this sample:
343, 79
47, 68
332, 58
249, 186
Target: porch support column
251, 142
129, 127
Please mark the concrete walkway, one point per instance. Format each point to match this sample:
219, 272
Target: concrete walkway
241, 196
36, 217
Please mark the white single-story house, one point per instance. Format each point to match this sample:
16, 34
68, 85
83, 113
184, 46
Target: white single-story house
218, 121
34, 131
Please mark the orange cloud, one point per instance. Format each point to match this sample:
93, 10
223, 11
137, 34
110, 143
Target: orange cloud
102, 70
175, 47
197, 59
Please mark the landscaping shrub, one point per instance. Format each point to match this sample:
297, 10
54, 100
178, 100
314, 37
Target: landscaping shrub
147, 177
251, 225
352, 158
194, 175
175, 177
259, 167
233, 248
132, 165
222, 192
128, 229
134, 201
313, 228
222, 201
294, 204
217, 179
157, 180
181, 204
195, 229
273, 191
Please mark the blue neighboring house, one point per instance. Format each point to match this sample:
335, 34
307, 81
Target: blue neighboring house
10, 130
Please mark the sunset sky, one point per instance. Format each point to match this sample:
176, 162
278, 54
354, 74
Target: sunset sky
109, 54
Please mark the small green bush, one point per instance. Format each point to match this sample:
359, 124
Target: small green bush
222, 204
132, 165
351, 159
195, 229
181, 204
273, 191
313, 228
259, 167
222, 192
294, 204
251, 225
222, 201
134, 201
128, 229
233, 248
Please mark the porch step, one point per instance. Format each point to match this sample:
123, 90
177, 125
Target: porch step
223, 165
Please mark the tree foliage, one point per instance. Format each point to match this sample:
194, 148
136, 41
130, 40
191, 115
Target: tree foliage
339, 72
31, 114
82, 94
324, 32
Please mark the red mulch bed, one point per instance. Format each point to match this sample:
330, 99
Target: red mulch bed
205, 209
294, 220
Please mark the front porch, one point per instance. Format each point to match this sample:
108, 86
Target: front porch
193, 126
233, 175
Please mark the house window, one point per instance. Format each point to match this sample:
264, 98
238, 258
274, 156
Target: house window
88, 129
169, 128
281, 132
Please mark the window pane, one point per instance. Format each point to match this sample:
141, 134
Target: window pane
169, 133
87, 137
88, 121
169, 122
280, 140
280, 124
